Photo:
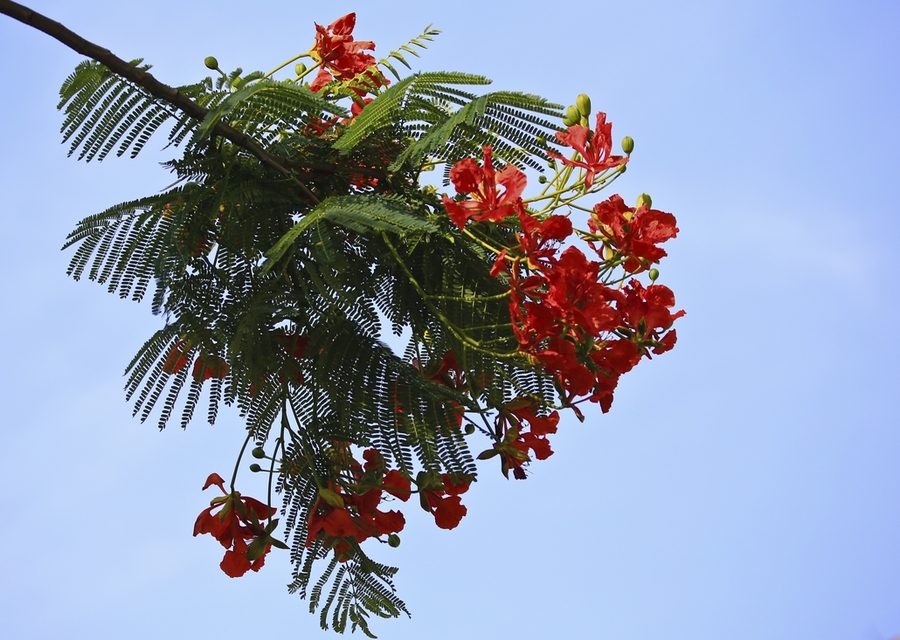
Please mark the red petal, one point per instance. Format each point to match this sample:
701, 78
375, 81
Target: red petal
396, 484
214, 479
448, 512
235, 563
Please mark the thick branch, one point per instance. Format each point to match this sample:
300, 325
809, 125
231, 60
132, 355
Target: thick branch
157, 89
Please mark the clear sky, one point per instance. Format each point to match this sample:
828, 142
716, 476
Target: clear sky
744, 486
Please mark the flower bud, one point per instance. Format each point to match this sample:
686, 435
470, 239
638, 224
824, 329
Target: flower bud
541, 140
299, 68
654, 274
258, 453
470, 429
542, 179
572, 115
583, 104
644, 199
211, 62
255, 468
394, 540
627, 145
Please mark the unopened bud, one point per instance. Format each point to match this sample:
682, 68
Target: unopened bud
470, 429
258, 453
654, 274
299, 68
572, 115
541, 140
255, 468
583, 103
394, 540
628, 145
542, 179
211, 62
644, 199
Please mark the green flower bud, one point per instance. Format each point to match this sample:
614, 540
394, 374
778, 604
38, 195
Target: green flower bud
572, 114
255, 468
470, 429
299, 68
211, 62
258, 453
628, 145
394, 540
542, 179
583, 103
644, 199
541, 140
654, 274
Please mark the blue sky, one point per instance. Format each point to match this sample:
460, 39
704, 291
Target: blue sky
744, 486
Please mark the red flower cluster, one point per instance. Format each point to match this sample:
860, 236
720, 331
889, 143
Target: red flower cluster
236, 524
514, 418
593, 146
341, 56
632, 233
481, 183
443, 501
339, 517
205, 366
564, 316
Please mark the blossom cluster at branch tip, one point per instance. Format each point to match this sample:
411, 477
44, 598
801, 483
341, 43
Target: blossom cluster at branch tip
341, 57
594, 148
237, 527
340, 517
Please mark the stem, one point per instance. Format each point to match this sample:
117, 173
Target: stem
289, 61
237, 464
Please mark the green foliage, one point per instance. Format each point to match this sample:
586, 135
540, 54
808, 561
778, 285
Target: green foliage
103, 110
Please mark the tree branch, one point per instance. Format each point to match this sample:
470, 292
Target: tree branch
158, 90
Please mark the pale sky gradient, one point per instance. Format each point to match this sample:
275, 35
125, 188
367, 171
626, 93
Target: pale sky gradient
745, 486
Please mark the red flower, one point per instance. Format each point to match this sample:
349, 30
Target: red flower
482, 182
449, 374
593, 147
341, 55
647, 310
633, 232
538, 234
207, 367
236, 523
177, 358
445, 504
396, 484
516, 416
